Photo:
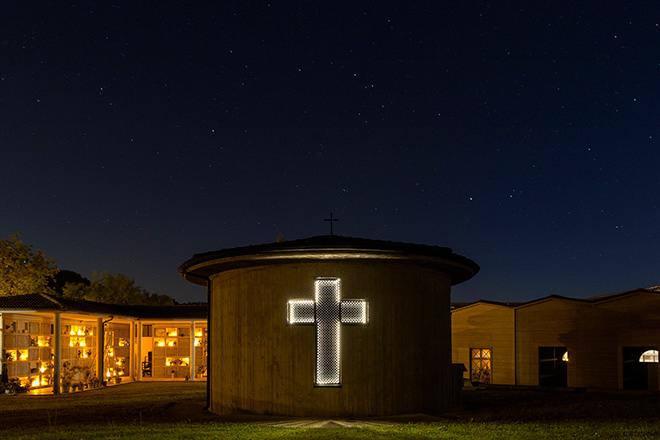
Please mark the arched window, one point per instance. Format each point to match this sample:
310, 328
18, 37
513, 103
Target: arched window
649, 356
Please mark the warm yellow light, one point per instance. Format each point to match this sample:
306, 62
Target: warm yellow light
36, 382
565, 357
198, 333
172, 332
159, 342
43, 341
198, 342
107, 373
171, 343
23, 355
111, 352
82, 343
42, 369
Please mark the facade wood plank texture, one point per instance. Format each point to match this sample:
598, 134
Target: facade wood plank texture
398, 363
489, 326
596, 333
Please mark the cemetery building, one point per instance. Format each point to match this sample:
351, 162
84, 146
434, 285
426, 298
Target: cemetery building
605, 342
56, 344
330, 326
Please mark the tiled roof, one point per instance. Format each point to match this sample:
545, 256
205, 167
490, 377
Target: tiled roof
45, 302
33, 301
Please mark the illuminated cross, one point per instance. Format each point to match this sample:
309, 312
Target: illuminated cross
327, 312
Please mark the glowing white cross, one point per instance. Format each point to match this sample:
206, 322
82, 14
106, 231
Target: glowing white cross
328, 313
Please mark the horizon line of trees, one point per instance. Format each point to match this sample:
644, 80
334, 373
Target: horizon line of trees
24, 270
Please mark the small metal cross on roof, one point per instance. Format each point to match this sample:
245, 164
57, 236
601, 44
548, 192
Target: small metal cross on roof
331, 220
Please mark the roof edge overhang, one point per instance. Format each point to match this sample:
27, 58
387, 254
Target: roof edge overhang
202, 266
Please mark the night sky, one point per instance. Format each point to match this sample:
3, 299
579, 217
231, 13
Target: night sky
526, 137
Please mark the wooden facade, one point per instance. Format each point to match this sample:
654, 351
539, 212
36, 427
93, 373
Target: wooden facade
398, 363
595, 343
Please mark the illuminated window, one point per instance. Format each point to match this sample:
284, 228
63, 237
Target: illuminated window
75, 341
649, 356
159, 342
327, 312
480, 365
177, 362
172, 332
123, 342
43, 341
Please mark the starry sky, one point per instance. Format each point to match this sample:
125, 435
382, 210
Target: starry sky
523, 135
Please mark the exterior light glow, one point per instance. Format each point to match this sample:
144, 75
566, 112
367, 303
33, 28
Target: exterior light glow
327, 312
565, 357
650, 356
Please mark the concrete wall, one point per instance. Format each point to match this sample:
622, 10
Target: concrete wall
399, 363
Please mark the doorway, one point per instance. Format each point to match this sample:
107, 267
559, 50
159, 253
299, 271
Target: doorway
640, 368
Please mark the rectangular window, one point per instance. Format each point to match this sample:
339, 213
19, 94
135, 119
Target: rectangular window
480, 365
147, 330
553, 366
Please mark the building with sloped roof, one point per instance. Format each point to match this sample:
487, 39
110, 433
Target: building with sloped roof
604, 342
55, 343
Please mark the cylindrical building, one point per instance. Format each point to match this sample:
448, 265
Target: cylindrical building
330, 326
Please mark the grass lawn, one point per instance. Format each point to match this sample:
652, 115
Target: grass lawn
174, 410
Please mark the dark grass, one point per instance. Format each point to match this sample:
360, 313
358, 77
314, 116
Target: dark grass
168, 410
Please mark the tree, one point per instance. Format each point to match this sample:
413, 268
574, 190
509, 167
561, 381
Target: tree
64, 277
22, 269
114, 289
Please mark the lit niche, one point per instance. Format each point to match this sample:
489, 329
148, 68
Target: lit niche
327, 312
